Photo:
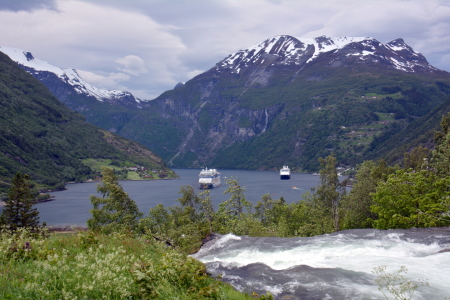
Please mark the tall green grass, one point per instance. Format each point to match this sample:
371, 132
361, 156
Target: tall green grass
85, 265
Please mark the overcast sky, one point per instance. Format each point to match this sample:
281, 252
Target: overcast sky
148, 46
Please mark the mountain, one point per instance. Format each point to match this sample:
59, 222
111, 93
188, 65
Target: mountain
291, 101
98, 105
287, 101
287, 51
43, 138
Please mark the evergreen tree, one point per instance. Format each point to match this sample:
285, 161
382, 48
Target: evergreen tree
19, 211
114, 211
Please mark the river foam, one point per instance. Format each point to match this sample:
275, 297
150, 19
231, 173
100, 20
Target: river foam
334, 266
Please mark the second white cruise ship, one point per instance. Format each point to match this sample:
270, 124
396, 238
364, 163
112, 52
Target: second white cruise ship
285, 173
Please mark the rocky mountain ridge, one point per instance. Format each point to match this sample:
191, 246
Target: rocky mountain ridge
64, 82
287, 50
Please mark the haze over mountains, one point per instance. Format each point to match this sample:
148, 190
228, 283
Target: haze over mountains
283, 101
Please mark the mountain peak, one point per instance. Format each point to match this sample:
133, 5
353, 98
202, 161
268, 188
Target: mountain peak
400, 45
71, 77
285, 50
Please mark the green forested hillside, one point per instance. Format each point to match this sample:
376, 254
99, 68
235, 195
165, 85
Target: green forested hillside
43, 138
263, 119
392, 145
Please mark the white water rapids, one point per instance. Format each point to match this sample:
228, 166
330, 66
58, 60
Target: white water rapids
334, 266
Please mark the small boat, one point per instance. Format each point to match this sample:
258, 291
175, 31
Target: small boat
285, 173
208, 179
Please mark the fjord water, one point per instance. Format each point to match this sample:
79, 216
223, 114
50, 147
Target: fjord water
335, 266
71, 206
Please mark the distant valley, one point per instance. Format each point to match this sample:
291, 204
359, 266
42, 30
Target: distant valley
283, 101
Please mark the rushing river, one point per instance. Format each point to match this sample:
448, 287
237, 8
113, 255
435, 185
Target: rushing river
335, 266
71, 206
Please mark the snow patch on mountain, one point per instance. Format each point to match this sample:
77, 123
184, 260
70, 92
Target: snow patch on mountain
69, 76
287, 50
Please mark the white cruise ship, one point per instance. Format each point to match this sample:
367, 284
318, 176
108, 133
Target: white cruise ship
285, 173
208, 179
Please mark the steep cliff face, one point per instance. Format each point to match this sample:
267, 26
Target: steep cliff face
200, 128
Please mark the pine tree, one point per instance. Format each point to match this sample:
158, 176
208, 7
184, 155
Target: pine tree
114, 211
19, 211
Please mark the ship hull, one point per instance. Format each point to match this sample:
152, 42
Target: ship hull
285, 177
207, 186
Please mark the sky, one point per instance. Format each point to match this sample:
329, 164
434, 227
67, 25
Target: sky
146, 47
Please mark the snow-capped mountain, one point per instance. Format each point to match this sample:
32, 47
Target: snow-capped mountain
50, 75
287, 50
285, 100
292, 100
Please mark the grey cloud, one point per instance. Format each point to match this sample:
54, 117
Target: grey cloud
176, 39
27, 5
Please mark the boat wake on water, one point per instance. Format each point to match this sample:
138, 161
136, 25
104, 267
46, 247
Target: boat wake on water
333, 266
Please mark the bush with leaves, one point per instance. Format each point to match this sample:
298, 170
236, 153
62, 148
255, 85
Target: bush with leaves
183, 274
114, 211
356, 206
412, 199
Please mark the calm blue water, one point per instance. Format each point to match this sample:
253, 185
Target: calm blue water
71, 207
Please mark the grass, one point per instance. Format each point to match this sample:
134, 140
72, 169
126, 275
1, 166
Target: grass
93, 266
97, 163
380, 96
385, 116
133, 176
